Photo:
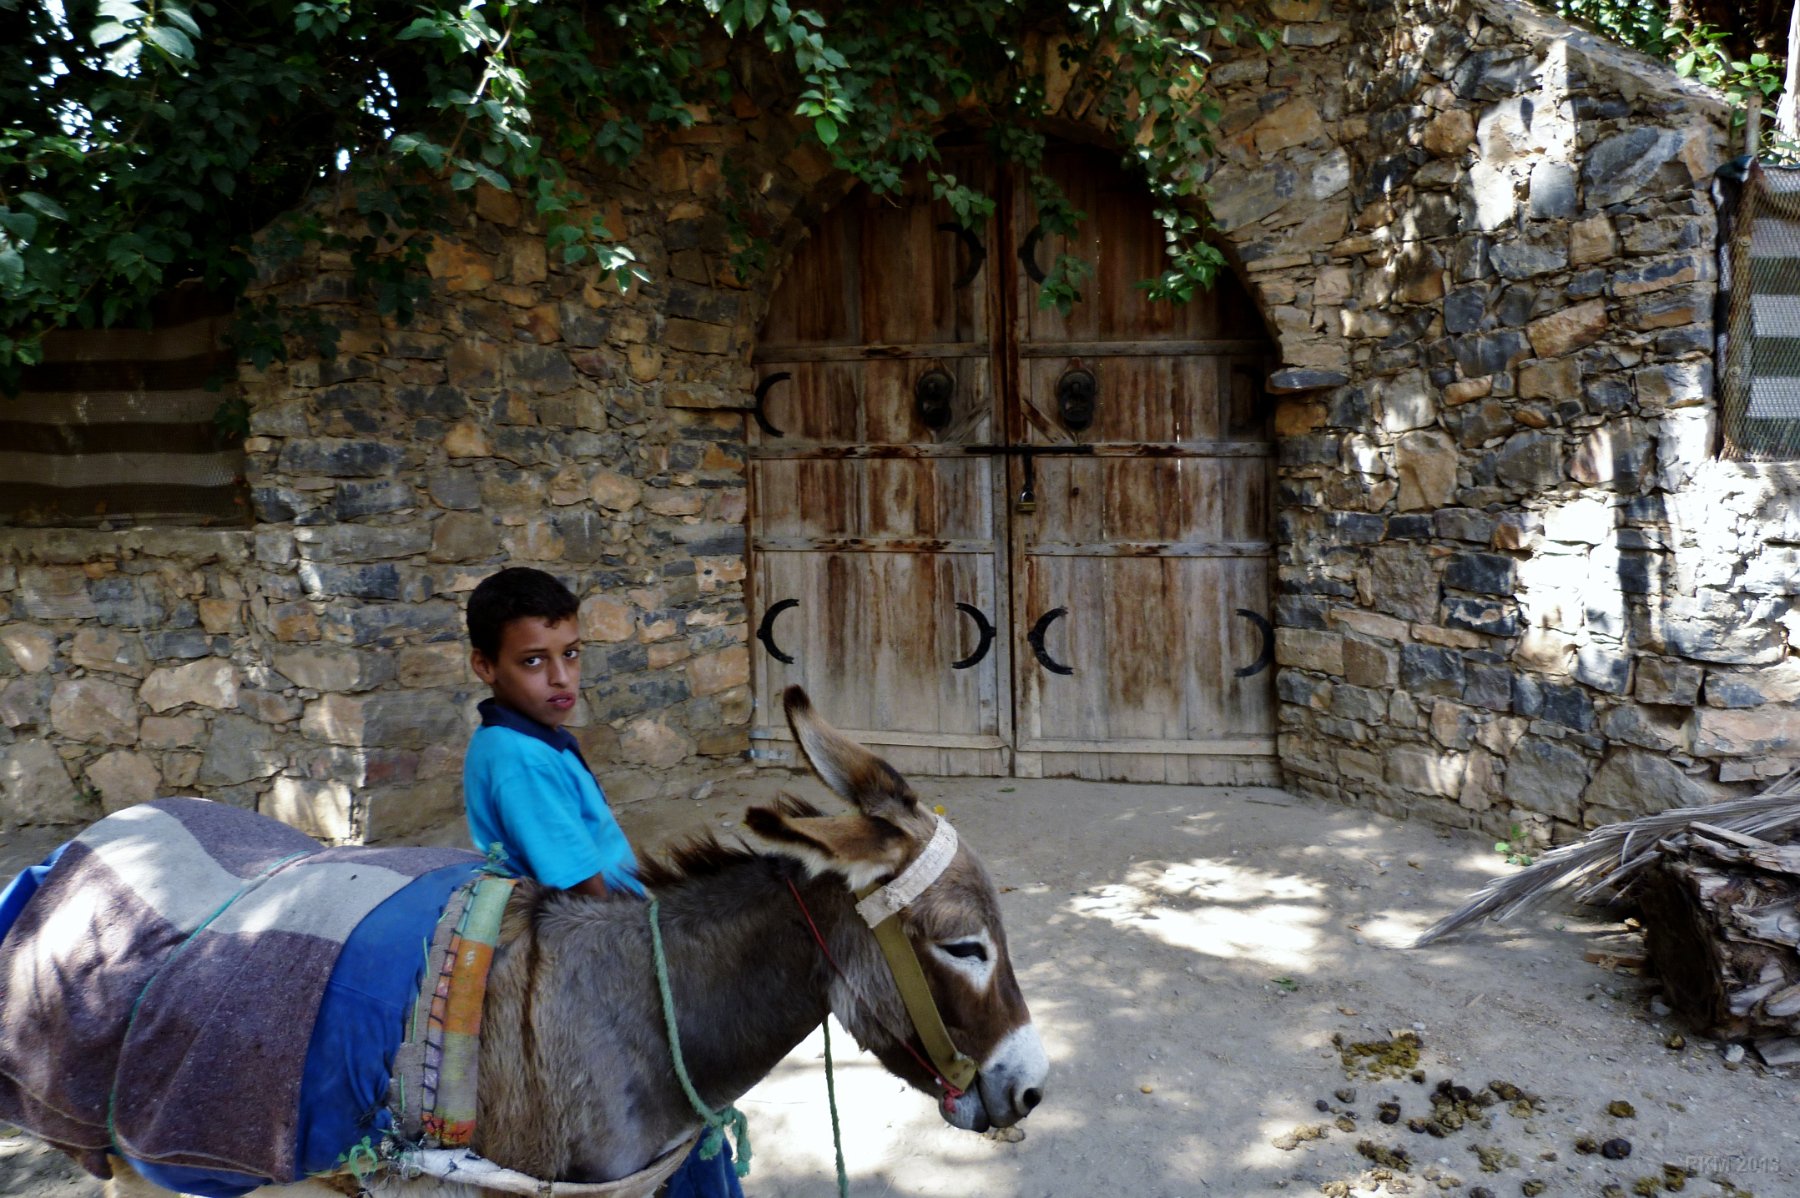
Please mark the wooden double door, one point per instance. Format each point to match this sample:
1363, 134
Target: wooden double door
994, 538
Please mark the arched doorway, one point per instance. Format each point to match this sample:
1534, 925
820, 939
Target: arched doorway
994, 538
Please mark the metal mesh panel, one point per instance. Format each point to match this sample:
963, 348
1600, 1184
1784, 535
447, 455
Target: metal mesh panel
1760, 346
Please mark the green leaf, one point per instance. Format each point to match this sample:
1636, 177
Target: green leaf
12, 268
122, 10
826, 128
43, 204
171, 41
180, 17
19, 226
108, 32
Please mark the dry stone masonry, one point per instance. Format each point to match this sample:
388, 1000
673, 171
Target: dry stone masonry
1516, 584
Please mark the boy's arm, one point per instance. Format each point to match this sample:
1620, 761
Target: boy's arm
594, 886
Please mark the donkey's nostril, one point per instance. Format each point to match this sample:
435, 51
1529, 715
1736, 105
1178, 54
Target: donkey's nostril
1029, 1099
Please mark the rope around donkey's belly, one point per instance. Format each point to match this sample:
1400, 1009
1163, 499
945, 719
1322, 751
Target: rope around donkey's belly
717, 1122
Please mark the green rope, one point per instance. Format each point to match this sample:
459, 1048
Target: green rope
837, 1135
717, 1122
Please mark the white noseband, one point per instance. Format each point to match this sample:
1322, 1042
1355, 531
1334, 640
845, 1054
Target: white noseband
893, 898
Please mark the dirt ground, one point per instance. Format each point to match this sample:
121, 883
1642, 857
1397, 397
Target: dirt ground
1190, 954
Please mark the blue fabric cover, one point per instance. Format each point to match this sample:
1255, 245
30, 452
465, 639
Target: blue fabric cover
350, 1059
529, 791
18, 892
706, 1179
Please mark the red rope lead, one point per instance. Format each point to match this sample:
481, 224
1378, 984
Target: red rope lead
951, 1092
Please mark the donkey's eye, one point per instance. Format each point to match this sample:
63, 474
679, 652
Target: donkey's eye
966, 949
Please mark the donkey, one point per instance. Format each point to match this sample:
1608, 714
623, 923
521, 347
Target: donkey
576, 1081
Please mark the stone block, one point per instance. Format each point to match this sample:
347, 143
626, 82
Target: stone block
353, 582
55, 593
1557, 379
463, 537
1632, 783
1622, 167
1489, 687
353, 498
240, 749
1660, 275
338, 458
92, 710
1485, 616
720, 671
608, 620
1713, 627
268, 707
1592, 240
1603, 667
1449, 133
1585, 521
1403, 582
653, 742
1530, 461
1527, 258
1482, 573
1770, 730
1366, 705
386, 719
323, 809
1424, 770
124, 779
1304, 649
1426, 462
171, 732
32, 649
434, 665
207, 683
1752, 688
341, 544
35, 787
1570, 329
1430, 670
109, 651
1659, 729
1491, 353
1369, 664
1548, 777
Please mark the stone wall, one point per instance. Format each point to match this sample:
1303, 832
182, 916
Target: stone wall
1515, 583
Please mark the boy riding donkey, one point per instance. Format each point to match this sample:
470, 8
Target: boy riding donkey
529, 793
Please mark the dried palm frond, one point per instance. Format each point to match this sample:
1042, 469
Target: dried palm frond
1610, 856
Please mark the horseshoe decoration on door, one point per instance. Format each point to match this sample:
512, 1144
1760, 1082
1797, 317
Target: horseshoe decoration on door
1267, 656
982, 628
765, 632
977, 253
1028, 253
1036, 637
762, 394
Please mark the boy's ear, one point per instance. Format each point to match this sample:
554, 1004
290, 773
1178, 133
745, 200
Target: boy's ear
484, 669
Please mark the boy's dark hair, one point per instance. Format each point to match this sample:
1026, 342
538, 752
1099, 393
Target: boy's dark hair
515, 593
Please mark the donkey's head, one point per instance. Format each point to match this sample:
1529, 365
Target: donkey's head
953, 926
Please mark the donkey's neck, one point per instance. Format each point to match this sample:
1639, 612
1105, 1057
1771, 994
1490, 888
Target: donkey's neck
748, 980
577, 1077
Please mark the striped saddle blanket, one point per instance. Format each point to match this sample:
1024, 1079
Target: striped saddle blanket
218, 998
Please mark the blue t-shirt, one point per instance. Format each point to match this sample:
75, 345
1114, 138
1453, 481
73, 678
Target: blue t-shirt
528, 790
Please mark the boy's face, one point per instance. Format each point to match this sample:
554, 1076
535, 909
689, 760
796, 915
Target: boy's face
538, 669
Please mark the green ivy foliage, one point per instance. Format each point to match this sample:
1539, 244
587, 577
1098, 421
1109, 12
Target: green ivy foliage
147, 141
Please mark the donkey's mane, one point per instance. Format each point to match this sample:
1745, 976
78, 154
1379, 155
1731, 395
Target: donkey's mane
704, 854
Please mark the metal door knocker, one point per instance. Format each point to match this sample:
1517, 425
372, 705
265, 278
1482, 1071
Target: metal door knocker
1077, 395
932, 395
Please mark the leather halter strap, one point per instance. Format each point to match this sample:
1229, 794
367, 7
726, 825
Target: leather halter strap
878, 905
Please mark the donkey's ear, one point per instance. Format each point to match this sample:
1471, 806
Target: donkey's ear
855, 846
857, 775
